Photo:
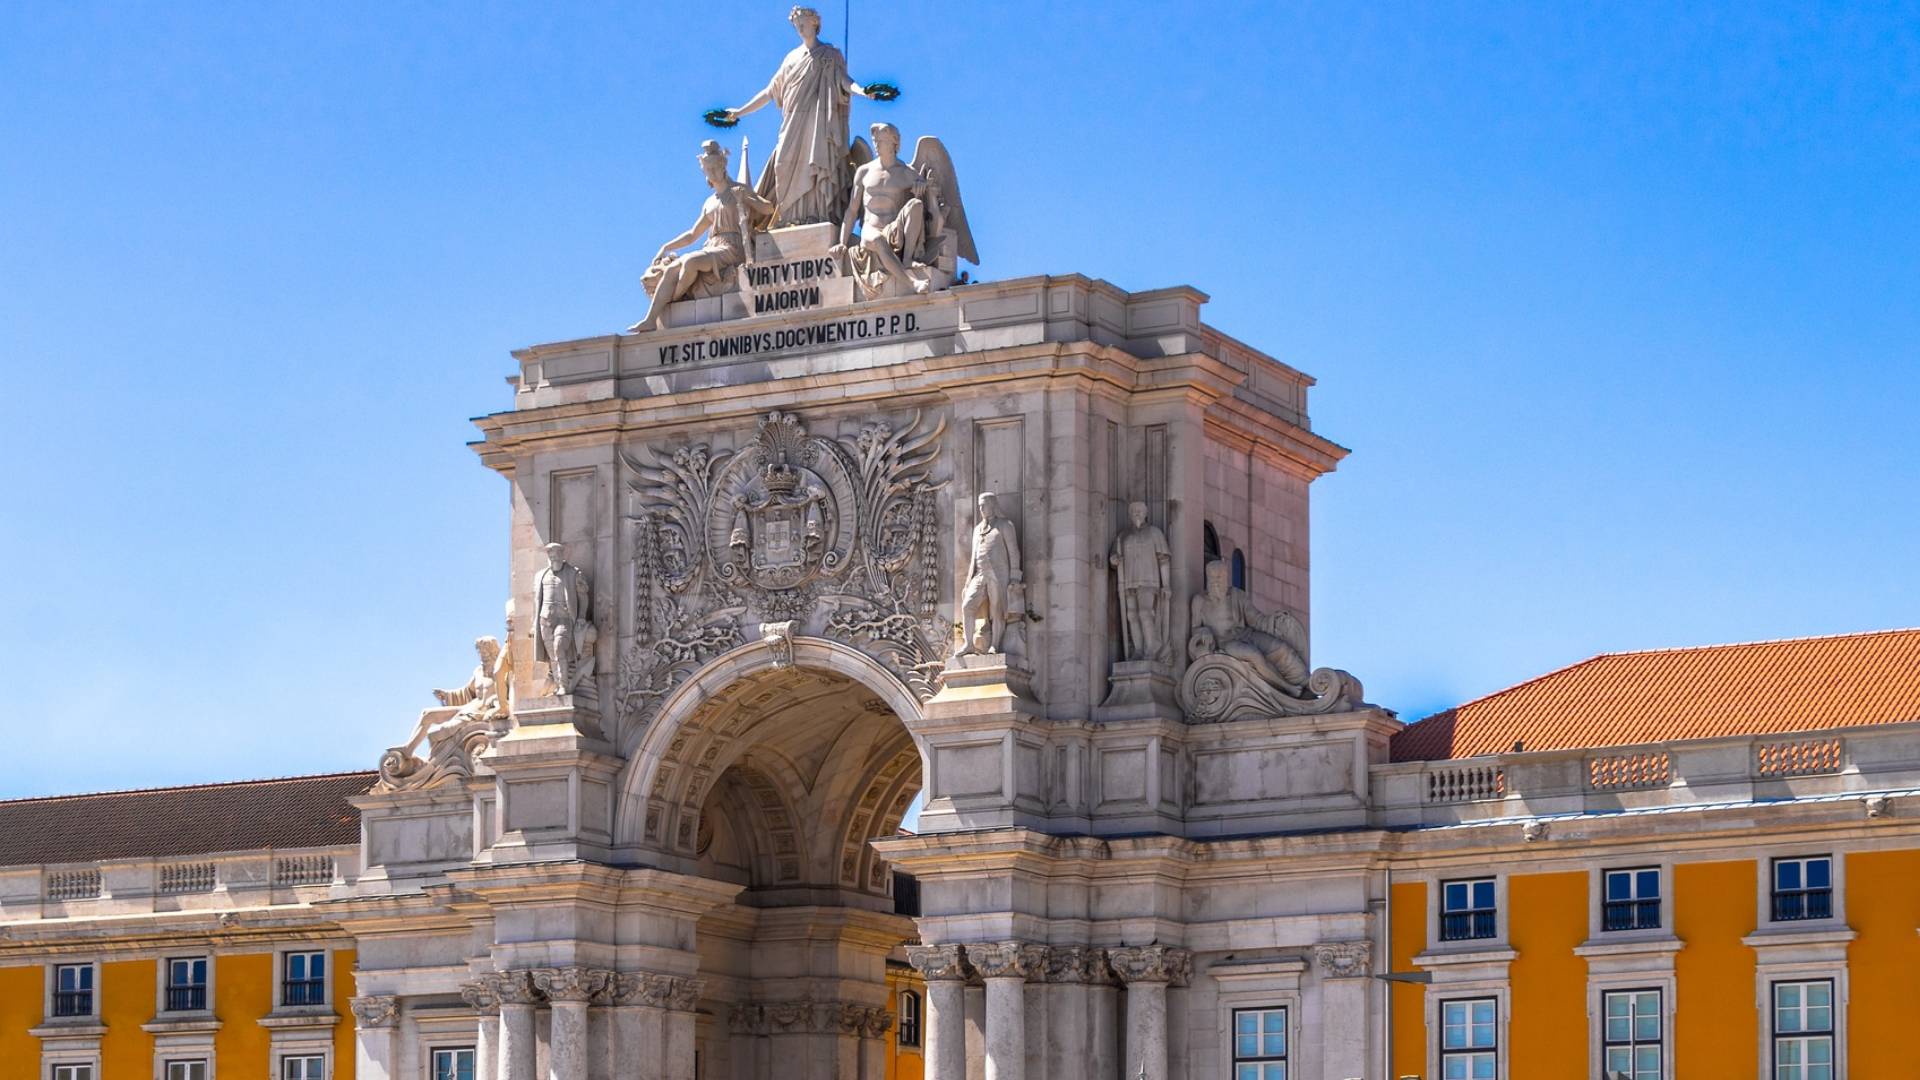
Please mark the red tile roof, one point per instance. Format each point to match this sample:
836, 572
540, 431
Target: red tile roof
204, 819
1623, 699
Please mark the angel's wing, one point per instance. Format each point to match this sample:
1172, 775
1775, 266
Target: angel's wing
859, 153
930, 159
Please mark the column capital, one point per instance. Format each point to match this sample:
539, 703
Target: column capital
1007, 959
573, 984
514, 988
1151, 964
938, 963
1076, 964
482, 994
374, 1010
1344, 959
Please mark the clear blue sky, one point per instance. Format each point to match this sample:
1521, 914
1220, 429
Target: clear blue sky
1616, 304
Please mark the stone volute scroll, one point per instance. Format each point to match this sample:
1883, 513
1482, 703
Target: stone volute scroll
469, 719
1344, 959
1246, 664
375, 1010
937, 963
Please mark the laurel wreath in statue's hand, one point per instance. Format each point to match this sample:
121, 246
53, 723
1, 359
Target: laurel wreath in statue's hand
881, 91
720, 118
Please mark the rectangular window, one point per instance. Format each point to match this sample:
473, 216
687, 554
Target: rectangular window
187, 1070
1469, 1048
1803, 888
1632, 900
1803, 1030
1466, 910
454, 1064
1630, 1040
73, 991
313, 1067
187, 984
1259, 1044
305, 979
909, 1019
73, 1072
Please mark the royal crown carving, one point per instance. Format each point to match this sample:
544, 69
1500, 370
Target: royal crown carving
836, 536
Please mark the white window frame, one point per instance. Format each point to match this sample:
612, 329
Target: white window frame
280, 955
1836, 864
1438, 1030
1286, 1058
1260, 984
1663, 877
919, 1043
1438, 912
281, 1059
92, 1015
162, 969
1665, 996
435, 1050
205, 1062
55, 1069
1836, 1014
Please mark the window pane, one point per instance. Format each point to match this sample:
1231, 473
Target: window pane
1649, 884
1246, 1072
1483, 1067
1244, 1023
1273, 1045
1619, 1059
1819, 873
1274, 1020
1456, 896
1483, 894
1819, 994
317, 966
1246, 1046
1618, 1005
1619, 1029
1820, 1051
1276, 1071
1619, 885
1454, 1068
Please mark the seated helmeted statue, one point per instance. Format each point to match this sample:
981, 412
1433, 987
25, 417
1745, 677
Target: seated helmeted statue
913, 226
727, 218
1248, 664
466, 723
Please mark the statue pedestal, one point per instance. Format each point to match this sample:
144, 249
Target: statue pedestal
983, 676
554, 776
1140, 690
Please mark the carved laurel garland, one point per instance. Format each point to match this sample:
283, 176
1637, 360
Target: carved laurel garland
779, 531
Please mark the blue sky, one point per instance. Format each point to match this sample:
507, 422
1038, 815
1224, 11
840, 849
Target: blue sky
1616, 304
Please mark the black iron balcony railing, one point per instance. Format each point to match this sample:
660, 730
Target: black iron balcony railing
303, 992
1631, 914
1466, 925
1793, 905
73, 1003
186, 998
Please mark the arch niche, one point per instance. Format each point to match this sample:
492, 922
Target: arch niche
771, 767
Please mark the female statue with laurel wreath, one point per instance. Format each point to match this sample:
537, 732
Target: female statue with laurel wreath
807, 177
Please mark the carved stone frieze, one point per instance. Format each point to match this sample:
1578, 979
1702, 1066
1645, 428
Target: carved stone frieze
1151, 963
375, 1010
1076, 964
653, 990
804, 1015
938, 962
1344, 959
833, 536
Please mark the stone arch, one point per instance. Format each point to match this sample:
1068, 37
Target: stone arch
709, 722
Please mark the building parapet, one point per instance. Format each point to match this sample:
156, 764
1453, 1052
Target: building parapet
121, 887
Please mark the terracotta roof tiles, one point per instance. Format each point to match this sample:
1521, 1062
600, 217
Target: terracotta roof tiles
204, 819
1625, 699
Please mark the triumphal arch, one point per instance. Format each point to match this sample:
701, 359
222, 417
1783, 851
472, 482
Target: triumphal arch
833, 526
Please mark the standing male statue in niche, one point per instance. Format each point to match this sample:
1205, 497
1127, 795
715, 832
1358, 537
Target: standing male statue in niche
806, 178
1225, 621
1145, 565
727, 220
563, 628
992, 568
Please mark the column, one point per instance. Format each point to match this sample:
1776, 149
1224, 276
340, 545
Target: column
517, 1001
683, 1003
639, 1027
1148, 970
945, 1025
374, 1030
482, 994
569, 990
1005, 966
1345, 970
1067, 1048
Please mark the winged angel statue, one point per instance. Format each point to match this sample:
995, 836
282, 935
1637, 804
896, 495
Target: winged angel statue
913, 226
